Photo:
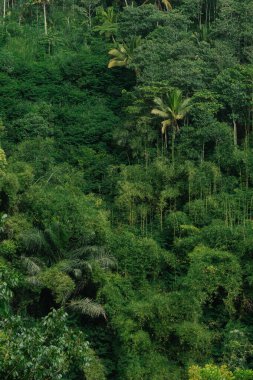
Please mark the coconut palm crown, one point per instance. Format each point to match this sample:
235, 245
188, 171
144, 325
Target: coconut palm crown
122, 55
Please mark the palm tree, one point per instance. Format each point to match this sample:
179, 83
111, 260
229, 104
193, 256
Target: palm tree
76, 265
123, 53
161, 4
172, 109
108, 19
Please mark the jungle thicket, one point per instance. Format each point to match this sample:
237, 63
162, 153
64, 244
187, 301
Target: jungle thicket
126, 190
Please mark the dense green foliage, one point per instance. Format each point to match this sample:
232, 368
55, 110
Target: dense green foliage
126, 190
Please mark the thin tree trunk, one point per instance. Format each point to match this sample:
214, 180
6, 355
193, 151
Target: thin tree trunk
173, 146
4, 11
235, 131
37, 16
203, 152
45, 17
89, 17
163, 145
166, 139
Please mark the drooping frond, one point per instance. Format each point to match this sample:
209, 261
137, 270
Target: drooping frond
88, 307
108, 19
86, 251
120, 57
105, 261
165, 125
167, 5
33, 280
116, 63
106, 28
82, 259
159, 102
34, 240
74, 266
158, 112
184, 108
32, 265
123, 53
118, 52
134, 43
54, 237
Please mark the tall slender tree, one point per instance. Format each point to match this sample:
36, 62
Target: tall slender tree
44, 4
4, 9
172, 109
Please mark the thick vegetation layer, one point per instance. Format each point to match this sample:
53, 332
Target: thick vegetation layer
126, 190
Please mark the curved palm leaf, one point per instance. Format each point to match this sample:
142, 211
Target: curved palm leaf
32, 265
165, 125
88, 255
73, 266
173, 108
88, 307
105, 261
167, 5
159, 3
34, 240
157, 112
123, 53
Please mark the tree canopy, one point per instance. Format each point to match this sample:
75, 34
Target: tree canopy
126, 190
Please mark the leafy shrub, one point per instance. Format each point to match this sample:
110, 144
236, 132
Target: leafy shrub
210, 372
8, 248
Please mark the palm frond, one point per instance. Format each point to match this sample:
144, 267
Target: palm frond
32, 265
173, 108
83, 257
88, 307
68, 265
54, 236
33, 280
74, 266
165, 125
34, 240
115, 63
167, 5
77, 273
185, 107
159, 102
105, 261
134, 43
114, 52
158, 112
123, 53
86, 251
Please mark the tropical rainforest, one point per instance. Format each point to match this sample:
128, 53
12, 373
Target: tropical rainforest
126, 190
